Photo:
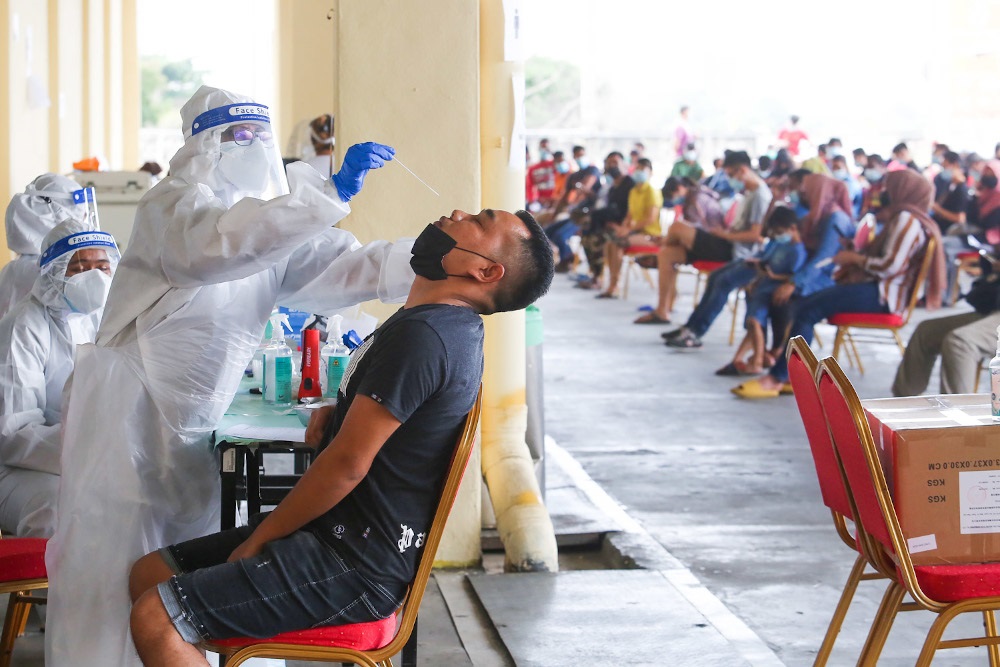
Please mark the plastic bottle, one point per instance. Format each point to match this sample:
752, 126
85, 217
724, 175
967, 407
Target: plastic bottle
335, 357
278, 364
257, 362
995, 381
310, 386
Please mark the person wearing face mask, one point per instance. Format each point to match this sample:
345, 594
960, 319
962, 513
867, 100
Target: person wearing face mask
322, 139
215, 247
854, 189
687, 166
540, 180
562, 168
641, 225
39, 336
873, 179
745, 237
582, 188
618, 186
30, 216
382, 452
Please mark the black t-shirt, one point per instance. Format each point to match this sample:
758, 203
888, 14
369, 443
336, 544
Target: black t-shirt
955, 199
618, 199
424, 365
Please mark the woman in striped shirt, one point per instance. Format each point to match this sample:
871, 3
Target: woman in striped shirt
879, 280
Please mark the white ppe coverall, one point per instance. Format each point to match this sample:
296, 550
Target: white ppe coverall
30, 216
205, 266
37, 340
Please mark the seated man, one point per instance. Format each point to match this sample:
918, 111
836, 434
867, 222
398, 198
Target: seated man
641, 225
37, 341
744, 236
348, 536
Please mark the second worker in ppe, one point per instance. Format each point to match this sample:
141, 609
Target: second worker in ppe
216, 244
30, 216
37, 341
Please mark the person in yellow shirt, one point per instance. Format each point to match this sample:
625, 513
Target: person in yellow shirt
641, 225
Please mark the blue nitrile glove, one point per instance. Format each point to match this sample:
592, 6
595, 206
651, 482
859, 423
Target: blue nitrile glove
359, 159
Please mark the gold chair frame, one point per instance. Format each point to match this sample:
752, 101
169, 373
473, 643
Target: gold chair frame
17, 612
844, 332
407, 614
898, 567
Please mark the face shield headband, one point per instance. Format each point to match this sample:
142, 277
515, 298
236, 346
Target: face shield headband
232, 113
78, 241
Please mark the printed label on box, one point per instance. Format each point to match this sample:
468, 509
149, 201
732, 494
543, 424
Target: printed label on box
980, 501
229, 460
922, 543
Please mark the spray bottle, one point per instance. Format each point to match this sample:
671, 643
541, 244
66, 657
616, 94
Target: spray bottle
335, 357
278, 363
995, 381
310, 386
257, 362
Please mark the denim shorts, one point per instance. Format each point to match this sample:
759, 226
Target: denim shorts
295, 583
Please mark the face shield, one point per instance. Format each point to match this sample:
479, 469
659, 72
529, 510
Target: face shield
32, 214
247, 160
76, 269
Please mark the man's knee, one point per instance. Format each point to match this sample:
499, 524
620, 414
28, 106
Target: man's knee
954, 345
146, 573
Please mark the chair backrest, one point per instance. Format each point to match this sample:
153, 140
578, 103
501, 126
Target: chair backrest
802, 366
925, 267
874, 511
449, 491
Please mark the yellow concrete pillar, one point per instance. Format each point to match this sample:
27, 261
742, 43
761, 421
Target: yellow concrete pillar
131, 86
408, 76
522, 519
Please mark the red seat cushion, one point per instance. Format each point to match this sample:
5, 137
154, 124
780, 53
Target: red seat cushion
357, 636
707, 267
863, 319
972, 254
642, 250
22, 558
950, 583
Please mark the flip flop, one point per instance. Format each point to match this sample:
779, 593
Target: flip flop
752, 389
650, 318
606, 295
729, 370
786, 389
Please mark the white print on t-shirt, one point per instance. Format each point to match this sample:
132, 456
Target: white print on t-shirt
420, 540
407, 538
356, 355
338, 531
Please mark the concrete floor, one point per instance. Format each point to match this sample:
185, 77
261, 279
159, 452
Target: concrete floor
726, 486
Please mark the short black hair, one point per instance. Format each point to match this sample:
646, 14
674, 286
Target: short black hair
798, 175
835, 140
670, 187
578, 148
558, 154
782, 217
644, 163
839, 157
529, 268
616, 154
736, 159
901, 146
794, 119
941, 147
858, 151
821, 148
951, 157
764, 162
875, 160
684, 108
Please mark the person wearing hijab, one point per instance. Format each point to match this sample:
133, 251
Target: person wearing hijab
321, 136
878, 280
30, 216
38, 338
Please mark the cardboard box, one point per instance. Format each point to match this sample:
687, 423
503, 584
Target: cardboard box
941, 457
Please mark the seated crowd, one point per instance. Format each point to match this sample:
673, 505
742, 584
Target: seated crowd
803, 237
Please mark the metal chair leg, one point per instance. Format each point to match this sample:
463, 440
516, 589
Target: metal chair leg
736, 306
854, 349
882, 624
838, 340
899, 341
840, 612
17, 615
990, 623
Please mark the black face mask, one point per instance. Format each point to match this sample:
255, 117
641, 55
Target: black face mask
429, 250
614, 173
988, 181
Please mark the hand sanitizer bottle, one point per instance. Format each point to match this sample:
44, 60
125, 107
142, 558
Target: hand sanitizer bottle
335, 357
278, 364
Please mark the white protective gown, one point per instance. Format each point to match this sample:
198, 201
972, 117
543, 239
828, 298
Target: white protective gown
36, 358
28, 218
186, 311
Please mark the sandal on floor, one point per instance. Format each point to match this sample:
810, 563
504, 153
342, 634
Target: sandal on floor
650, 318
729, 370
606, 295
752, 389
684, 341
786, 389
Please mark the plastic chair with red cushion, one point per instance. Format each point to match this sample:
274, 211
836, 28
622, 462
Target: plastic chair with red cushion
802, 367
946, 590
371, 644
891, 322
644, 256
22, 569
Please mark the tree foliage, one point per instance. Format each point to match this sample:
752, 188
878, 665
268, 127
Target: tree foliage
166, 86
552, 93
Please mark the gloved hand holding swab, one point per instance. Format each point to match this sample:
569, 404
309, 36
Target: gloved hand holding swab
396, 160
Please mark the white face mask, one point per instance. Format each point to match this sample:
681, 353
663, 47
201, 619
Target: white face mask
246, 167
88, 291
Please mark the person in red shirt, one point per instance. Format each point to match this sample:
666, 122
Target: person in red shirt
791, 136
541, 184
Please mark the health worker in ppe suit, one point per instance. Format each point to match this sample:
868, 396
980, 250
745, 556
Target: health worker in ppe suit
37, 340
215, 245
30, 216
